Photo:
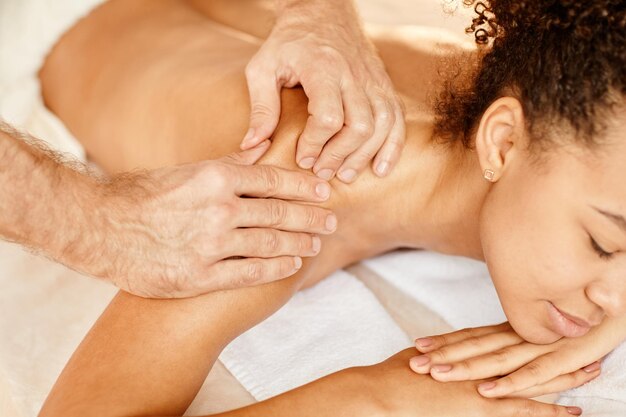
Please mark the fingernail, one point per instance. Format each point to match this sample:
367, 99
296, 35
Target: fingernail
347, 175
307, 163
442, 368
297, 262
331, 223
575, 410
323, 190
247, 139
419, 361
382, 168
592, 368
317, 244
325, 174
487, 386
424, 342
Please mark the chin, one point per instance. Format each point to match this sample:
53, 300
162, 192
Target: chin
534, 332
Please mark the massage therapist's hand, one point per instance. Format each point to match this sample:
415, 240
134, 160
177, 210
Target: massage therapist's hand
530, 370
355, 114
180, 231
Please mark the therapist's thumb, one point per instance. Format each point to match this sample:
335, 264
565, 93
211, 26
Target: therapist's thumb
264, 106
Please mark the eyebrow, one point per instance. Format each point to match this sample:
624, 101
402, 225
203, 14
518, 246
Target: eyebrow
616, 218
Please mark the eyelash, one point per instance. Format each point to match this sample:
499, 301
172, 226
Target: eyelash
598, 249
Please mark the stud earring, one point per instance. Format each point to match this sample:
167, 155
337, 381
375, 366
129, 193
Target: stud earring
489, 174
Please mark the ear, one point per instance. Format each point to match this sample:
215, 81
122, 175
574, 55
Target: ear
500, 134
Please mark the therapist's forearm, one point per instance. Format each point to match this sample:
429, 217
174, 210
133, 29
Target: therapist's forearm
337, 14
39, 204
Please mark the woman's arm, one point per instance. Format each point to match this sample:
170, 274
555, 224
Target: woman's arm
389, 389
149, 357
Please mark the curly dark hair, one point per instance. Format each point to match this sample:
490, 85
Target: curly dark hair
565, 60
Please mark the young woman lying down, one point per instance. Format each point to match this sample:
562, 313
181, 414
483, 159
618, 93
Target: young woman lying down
520, 164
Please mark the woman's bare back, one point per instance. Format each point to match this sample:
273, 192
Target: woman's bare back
159, 84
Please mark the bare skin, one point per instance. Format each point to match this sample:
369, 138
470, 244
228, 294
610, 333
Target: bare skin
159, 84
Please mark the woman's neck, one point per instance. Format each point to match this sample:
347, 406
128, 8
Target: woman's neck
432, 200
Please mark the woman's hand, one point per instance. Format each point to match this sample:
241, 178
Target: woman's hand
531, 370
355, 114
390, 389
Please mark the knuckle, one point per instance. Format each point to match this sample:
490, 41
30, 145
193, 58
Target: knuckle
466, 366
534, 369
253, 70
386, 118
473, 342
363, 157
530, 408
219, 179
312, 219
302, 187
260, 109
363, 129
502, 356
305, 243
331, 121
255, 273
272, 179
212, 247
271, 242
440, 356
553, 410
278, 214
507, 383
336, 155
472, 332
579, 378
221, 214
441, 340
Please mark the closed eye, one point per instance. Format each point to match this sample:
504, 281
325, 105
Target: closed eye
598, 249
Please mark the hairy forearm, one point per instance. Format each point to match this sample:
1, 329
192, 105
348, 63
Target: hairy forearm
341, 14
43, 200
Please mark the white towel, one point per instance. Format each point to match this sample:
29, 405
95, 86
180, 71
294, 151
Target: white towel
458, 289
605, 396
334, 325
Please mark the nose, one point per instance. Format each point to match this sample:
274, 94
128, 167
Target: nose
610, 298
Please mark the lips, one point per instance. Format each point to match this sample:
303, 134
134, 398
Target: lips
566, 325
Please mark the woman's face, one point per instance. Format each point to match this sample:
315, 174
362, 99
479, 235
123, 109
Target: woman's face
554, 238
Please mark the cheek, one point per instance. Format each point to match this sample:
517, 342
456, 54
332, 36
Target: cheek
532, 256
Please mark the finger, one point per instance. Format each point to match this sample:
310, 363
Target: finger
498, 362
539, 371
270, 243
531, 408
358, 129
249, 156
264, 90
389, 154
269, 181
473, 347
428, 344
240, 273
384, 119
560, 383
325, 119
282, 215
